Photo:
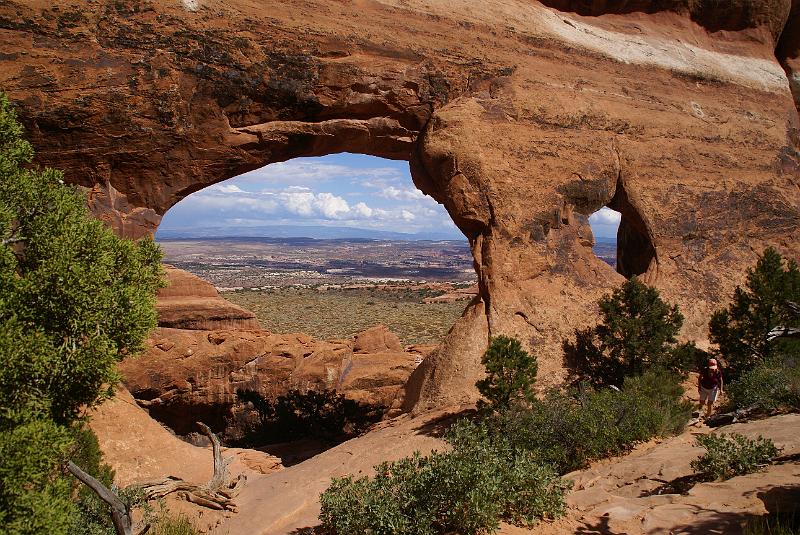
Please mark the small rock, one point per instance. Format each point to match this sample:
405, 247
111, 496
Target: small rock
165, 345
216, 338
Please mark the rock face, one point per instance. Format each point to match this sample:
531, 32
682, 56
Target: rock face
376, 339
189, 302
192, 375
520, 118
139, 449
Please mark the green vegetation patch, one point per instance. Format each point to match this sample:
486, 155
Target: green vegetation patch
732, 455
336, 314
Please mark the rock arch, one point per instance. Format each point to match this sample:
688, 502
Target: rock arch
520, 119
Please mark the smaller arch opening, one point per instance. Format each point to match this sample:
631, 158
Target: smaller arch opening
605, 224
621, 237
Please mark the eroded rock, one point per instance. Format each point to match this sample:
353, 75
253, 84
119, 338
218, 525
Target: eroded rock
519, 118
196, 379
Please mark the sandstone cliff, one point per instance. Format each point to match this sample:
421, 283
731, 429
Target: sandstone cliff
521, 118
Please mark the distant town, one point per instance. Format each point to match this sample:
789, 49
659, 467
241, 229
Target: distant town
260, 263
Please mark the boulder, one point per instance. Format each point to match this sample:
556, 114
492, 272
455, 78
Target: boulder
376, 339
189, 302
192, 375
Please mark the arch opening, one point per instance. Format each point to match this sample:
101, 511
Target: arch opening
331, 247
605, 224
621, 237
635, 249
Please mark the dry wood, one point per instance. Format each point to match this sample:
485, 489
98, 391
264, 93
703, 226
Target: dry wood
216, 494
120, 515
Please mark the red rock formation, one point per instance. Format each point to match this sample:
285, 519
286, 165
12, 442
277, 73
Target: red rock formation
376, 339
189, 302
521, 119
192, 375
139, 449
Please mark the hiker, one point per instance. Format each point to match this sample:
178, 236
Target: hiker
709, 385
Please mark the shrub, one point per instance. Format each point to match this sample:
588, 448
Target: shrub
324, 414
166, 524
569, 429
74, 300
777, 524
510, 373
637, 332
741, 330
467, 490
732, 455
769, 386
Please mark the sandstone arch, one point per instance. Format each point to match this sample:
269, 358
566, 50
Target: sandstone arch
520, 119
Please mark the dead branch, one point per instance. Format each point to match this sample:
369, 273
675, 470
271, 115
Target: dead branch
216, 494
220, 464
120, 515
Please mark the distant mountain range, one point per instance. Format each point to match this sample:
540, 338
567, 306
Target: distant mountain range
302, 231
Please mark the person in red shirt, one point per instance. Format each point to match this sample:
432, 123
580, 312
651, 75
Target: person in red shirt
709, 385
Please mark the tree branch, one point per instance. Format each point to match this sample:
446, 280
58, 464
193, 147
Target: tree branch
119, 512
216, 494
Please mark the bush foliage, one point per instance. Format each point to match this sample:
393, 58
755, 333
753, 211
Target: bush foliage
770, 386
732, 455
569, 429
774, 524
467, 490
637, 332
510, 373
741, 330
74, 299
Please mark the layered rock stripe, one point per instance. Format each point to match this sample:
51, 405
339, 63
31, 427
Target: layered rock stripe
520, 118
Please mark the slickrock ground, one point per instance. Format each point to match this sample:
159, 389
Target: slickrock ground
521, 118
609, 498
139, 449
278, 505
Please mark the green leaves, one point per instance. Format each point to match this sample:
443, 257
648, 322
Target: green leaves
732, 455
74, 300
467, 490
510, 373
741, 330
568, 429
637, 332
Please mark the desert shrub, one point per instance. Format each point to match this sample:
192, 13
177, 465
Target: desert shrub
769, 386
510, 373
323, 414
741, 330
637, 332
166, 524
775, 524
467, 490
732, 455
74, 300
569, 429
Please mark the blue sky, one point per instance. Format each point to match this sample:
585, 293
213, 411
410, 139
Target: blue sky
339, 190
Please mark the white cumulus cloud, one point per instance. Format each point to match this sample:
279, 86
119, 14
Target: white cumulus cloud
408, 194
605, 216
